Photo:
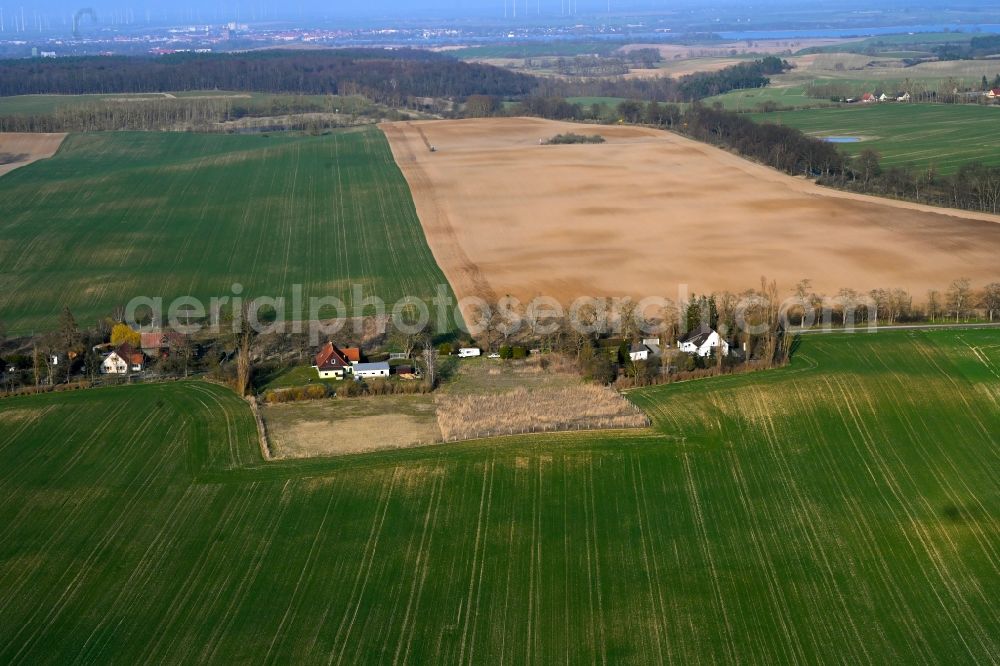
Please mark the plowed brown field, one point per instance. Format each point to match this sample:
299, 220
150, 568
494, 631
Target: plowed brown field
20, 149
650, 210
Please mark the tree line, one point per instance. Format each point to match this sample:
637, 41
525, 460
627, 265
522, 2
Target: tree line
974, 186
200, 114
387, 77
687, 88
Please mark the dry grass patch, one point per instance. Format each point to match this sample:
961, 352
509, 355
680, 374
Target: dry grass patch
580, 407
338, 427
484, 375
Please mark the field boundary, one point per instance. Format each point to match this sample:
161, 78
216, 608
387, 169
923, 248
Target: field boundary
262, 438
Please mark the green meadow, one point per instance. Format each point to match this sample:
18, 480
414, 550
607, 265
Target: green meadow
117, 215
842, 509
914, 136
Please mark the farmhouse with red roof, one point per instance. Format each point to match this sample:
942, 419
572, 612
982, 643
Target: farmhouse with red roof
332, 362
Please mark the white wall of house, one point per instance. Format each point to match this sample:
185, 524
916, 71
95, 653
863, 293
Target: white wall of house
114, 364
639, 355
373, 373
714, 340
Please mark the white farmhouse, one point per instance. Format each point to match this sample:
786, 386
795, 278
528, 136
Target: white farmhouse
122, 360
113, 364
638, 352
702, 341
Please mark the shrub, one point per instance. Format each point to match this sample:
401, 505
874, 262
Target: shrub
506, 352
570, 137
519, 353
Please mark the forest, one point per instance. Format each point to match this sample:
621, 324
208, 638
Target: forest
386, 77
687, 88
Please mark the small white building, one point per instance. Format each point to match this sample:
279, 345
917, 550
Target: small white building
371, 370
638, 352
469, 352
702, 341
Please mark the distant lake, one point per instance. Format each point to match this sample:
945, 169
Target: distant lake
861, 32
842, 139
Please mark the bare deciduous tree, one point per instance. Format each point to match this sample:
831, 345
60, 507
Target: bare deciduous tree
245, 335
958, 296
991, 299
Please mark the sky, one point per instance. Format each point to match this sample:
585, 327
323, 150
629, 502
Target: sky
138, 11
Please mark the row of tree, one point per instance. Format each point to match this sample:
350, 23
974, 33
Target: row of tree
978, 47
974, 186
197, 113
388, 77
687, 88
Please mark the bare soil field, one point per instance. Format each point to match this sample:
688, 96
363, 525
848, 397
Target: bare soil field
20, 149
338, 427
683, 67
649, 210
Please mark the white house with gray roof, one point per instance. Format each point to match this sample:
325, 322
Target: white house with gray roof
702, 341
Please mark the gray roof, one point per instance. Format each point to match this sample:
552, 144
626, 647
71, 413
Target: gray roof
638, 347
372, 367
698, 336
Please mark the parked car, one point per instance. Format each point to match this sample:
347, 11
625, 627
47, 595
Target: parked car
494, 355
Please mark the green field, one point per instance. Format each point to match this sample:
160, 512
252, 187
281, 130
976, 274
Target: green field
914, 136
118, 215
844, 509
783, 97
610, 102
41, 104
46, 104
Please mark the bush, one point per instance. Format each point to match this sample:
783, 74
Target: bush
519, 353
445, 349
563, 139
506, 352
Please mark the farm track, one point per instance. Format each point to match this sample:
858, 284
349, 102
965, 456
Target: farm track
843, 509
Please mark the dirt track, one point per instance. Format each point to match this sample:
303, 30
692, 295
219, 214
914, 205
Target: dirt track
650, 210
25, 148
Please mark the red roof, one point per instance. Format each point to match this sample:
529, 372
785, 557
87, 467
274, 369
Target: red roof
129, 354
996, 91
330, 357
353, 354
159, 339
